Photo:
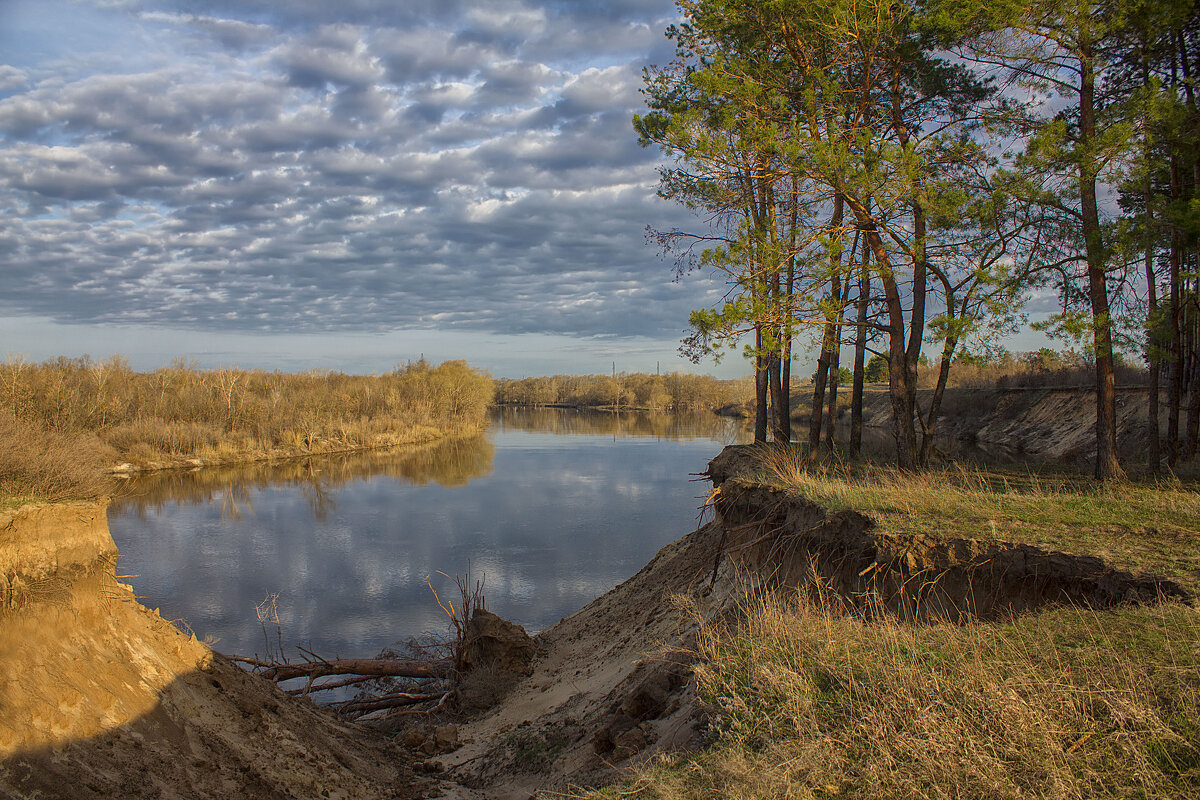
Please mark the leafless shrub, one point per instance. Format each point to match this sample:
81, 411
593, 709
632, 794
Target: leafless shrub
43, 465
471, 599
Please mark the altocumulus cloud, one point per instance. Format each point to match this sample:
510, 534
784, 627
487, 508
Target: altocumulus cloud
350, 166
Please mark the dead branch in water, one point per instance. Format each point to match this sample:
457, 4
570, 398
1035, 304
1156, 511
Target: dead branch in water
426, 681
373, 667
394, 700
472, 600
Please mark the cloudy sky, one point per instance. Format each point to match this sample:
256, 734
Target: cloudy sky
339, 184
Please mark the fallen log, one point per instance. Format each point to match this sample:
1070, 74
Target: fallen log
319, 687
374, 667
395, 700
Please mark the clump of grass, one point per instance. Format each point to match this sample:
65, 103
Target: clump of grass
810, 701
1144, 526
38, 465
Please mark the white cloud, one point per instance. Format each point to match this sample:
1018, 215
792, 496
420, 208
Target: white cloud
346, 167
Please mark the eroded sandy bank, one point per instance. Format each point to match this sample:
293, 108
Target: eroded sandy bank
101, 697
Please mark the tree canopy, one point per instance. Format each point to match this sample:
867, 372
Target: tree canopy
887, 175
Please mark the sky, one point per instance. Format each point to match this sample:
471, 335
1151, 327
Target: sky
338, 185
341, 185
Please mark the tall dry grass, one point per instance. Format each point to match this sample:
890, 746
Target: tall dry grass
1030, 370
809, 701
182, 412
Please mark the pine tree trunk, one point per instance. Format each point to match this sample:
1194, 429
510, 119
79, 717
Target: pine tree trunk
901, 389
778, 432
785, 401
816, 415
760, 389
860, 354
841, 290
1107, 466
1152, 325
828, 341
1193, 376
834, 368
929, 425
1174, 348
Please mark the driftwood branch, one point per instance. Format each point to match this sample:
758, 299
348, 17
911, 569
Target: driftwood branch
395, 700
319, 687
377, 667
429, 711
373, 667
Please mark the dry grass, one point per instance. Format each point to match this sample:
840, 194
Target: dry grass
180, 412
1042, 368
1144, 526
809, 701
38, 465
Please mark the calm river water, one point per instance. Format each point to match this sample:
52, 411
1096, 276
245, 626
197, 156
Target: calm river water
550, 508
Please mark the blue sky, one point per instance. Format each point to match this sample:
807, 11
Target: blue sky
341, 185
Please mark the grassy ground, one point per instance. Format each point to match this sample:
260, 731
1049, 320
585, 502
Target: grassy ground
1150, 526
811, 702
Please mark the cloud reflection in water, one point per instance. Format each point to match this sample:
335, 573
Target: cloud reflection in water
553, 507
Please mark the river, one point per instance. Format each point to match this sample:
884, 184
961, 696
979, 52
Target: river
549, 508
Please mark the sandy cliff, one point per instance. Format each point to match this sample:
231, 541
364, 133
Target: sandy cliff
101, 697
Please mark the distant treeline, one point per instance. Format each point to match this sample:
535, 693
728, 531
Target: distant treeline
675, 391
1043, 368
84, 410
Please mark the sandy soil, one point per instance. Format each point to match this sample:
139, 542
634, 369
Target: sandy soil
609, 688
101, 697
1041, 424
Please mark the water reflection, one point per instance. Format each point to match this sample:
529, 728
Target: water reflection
449, 463
568, 421
553, 507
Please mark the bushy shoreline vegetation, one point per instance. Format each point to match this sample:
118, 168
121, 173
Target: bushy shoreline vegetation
675, 391
66, 418
82, 412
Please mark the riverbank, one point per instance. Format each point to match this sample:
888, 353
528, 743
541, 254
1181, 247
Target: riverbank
689, 679
101, 697
64, 424
806, 640
320, 446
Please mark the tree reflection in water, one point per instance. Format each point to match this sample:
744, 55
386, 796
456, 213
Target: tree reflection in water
570, 421
552, 506
448, 463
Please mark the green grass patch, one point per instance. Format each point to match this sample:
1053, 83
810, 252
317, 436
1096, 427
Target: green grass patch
1145, 526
